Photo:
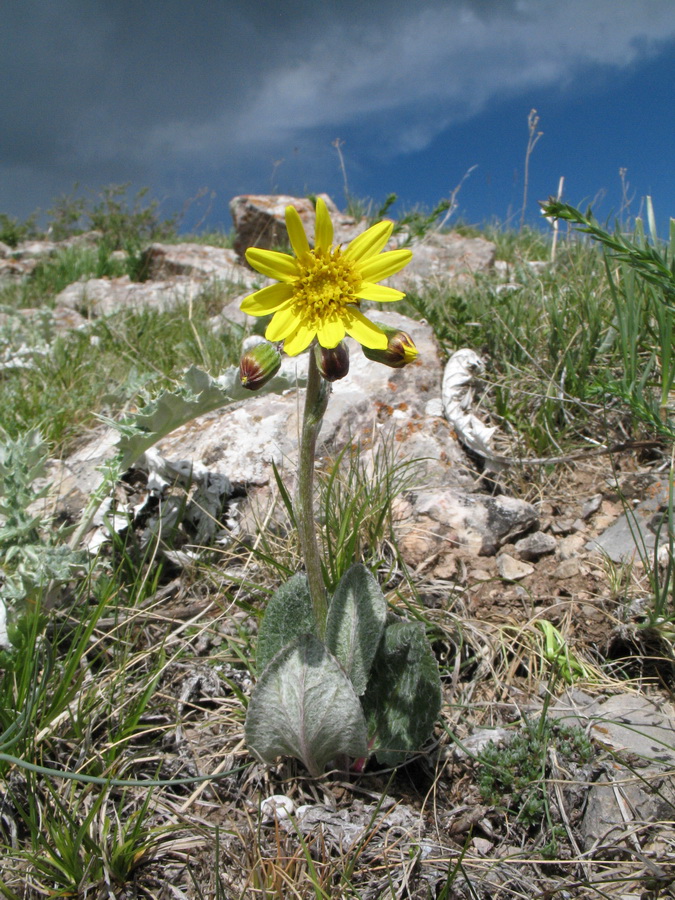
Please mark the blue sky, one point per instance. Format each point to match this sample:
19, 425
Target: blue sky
249, 97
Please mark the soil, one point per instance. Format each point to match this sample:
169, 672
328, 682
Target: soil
427, 829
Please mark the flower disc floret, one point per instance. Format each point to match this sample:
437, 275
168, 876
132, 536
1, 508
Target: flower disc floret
320, 288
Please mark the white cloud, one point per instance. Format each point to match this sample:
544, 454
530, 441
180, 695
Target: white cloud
244, 84
442, 64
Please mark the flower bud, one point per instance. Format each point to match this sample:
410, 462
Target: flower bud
400, 349
258, 365
332, 363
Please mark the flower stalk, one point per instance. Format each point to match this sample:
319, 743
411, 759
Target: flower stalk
314, 305
316, 401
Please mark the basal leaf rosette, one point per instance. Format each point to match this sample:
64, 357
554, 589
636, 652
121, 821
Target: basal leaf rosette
319, 289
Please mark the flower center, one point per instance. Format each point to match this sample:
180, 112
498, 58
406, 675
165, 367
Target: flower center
327, 282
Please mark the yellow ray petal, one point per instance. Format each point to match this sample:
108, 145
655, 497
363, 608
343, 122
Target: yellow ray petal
378, 293
370, 242
384, 265
268, 300
296, 232
323, 227
277, 265
331, 333
364, 331
285, 322
299, 341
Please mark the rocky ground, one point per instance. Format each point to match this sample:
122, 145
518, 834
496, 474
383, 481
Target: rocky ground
494, 544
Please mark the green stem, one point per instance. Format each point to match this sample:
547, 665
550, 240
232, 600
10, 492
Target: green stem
316, 400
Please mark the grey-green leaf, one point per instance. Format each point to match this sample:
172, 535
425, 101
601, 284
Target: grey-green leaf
403, 698
305, 706
199, 394
355, 624
288, 615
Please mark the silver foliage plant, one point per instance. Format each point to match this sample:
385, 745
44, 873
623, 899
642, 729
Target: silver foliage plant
340, 676
370, 686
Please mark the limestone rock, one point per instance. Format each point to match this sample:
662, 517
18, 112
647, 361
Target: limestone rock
35, 249
438, 520
44, 319
445, 257
374, 406
76, 478
231, 314
635, 789
371, 399
105, 296
162, 261
634, 533
259, 220
373, 395
15, 270
39, 249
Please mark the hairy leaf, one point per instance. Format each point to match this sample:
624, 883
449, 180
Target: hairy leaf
355, 623
305, 706
199, 394
403, 697
288, 615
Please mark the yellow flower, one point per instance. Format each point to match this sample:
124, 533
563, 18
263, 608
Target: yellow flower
320, 288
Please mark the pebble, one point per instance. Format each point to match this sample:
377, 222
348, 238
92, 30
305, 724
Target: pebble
568, 569
571, 546
562, 526
277, 806
535, 545
511, 569
481, 846
592, 505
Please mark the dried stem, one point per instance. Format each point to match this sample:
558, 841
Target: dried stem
534, 135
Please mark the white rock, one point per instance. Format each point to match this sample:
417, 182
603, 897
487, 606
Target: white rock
259, 220
278, 806
511, 569
163, 261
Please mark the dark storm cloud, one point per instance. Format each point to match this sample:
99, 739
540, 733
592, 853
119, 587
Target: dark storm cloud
110, 90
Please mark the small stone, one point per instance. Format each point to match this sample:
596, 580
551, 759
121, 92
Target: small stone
602, 523
568, 569
562, 526
277, 806
481, 846
571, 546
446, 568
511, 569
592, 505
613, 510
478, 575
632, 536
474, 743
535, 545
